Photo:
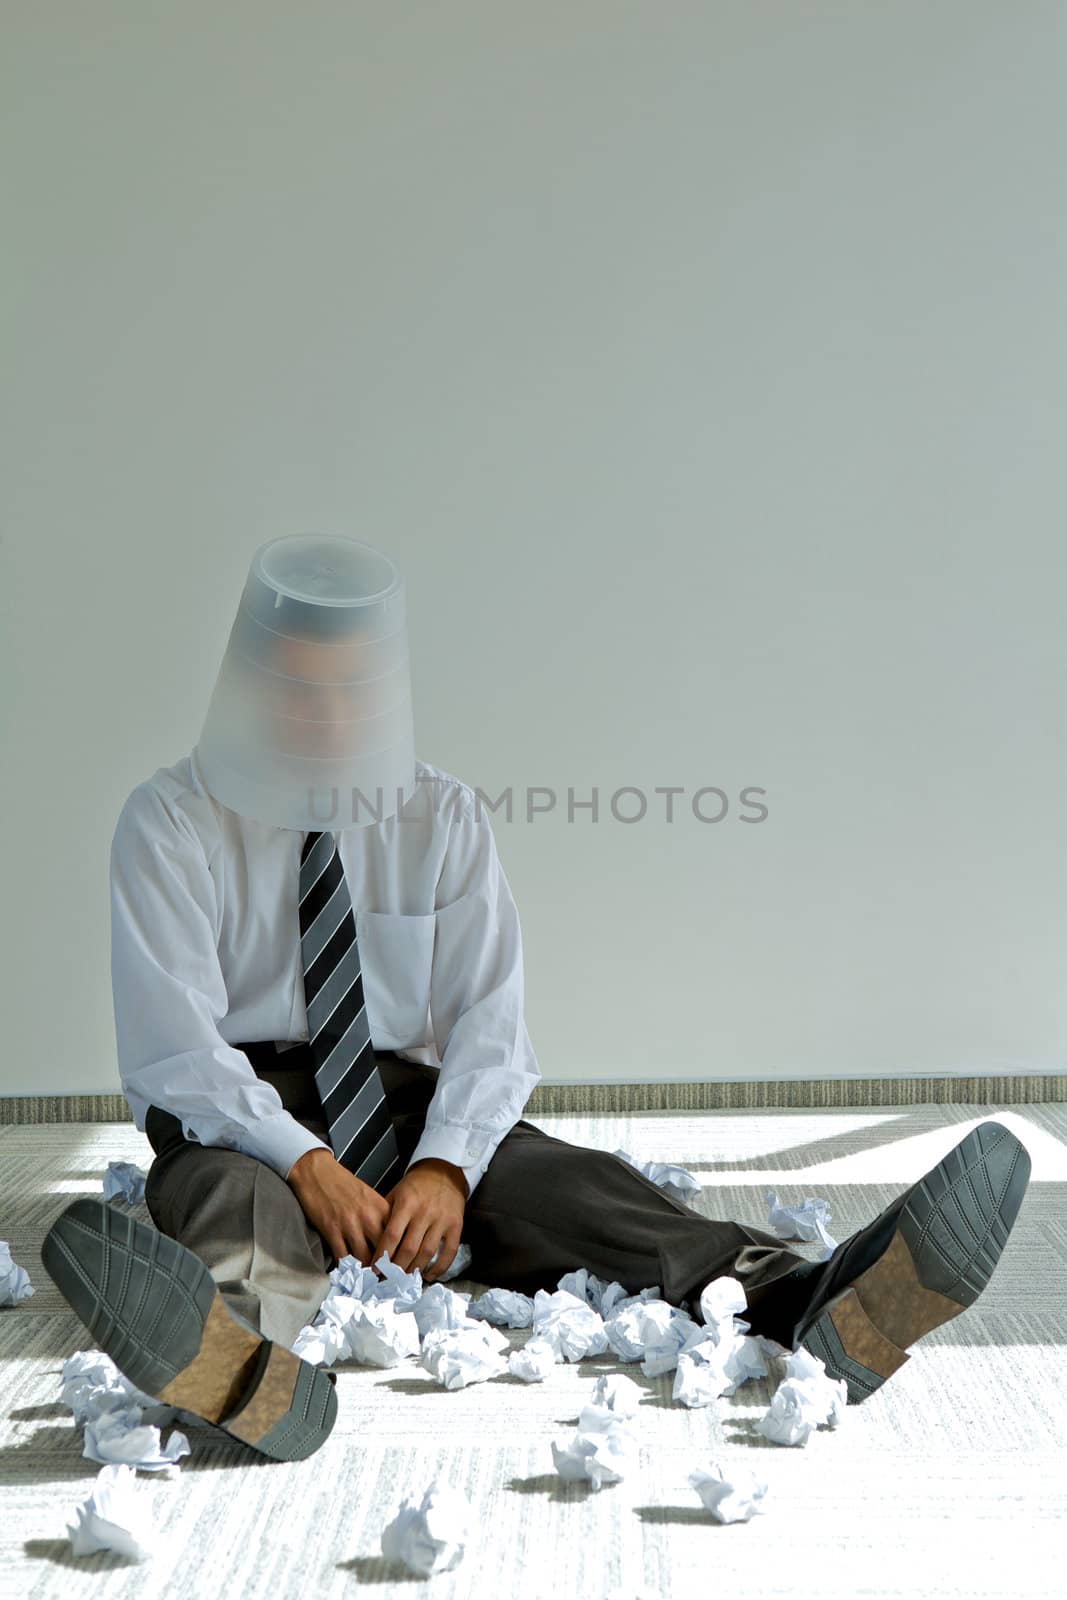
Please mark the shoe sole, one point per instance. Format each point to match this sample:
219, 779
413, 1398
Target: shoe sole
953, 1226
154, 1308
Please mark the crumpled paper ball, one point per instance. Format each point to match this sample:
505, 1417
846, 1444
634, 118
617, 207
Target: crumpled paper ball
588, 1287
350, 1277
15, 1284
112, 1518
721, 1356
650, 1331
570, 1325
732, 1497
458, 1356
534, 1361
504, 1308
828, 1396
806, 1221
402, 1288
322, 1342
668, 1330
674, 1181
603, 1297
121, 1437
440, 1308
805, 1399
789, 1420
614, 1391
604, 1448
701, 1375
122, 1423
721, 1301
123, 1180
380, 1336
430, 1532
460, 1262
90, 1382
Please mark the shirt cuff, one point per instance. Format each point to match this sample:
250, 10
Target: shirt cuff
279, 1142
467, 1148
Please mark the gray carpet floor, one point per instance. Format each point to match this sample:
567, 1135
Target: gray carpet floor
950, 1481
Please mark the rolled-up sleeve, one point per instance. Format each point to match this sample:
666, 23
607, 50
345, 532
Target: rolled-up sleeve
169, 994
488, 1068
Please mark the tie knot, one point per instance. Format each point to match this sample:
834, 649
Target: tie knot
310, 841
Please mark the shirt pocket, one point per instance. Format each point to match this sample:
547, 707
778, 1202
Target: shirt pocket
396, 959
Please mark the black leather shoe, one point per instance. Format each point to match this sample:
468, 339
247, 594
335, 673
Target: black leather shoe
922, 1261
153, 1307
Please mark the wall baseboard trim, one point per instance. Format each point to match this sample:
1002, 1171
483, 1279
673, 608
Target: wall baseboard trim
604, 1099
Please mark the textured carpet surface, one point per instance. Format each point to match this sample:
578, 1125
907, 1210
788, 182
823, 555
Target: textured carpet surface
950, 1481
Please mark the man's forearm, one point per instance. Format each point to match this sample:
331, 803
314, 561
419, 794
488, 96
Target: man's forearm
448, 1167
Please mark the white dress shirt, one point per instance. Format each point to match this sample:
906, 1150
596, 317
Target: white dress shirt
205, 952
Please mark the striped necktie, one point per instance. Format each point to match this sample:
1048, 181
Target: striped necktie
346, 1073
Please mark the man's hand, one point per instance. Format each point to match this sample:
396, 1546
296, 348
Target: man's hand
426, 1211
348, 1213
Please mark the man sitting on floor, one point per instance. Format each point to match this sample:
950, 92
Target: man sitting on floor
318, 988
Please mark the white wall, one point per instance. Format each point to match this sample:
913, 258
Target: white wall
702, 368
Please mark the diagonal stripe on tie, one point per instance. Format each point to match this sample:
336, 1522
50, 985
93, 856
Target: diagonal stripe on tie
329, 1017
344, 1052
366, 1128
354, 1112
346, 1072
316, 888
351, 1088
338, 947
314, 859
332, 990
386, 1169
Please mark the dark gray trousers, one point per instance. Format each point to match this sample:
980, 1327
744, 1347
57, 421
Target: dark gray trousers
543, 1207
